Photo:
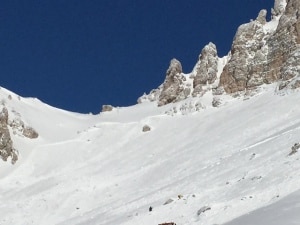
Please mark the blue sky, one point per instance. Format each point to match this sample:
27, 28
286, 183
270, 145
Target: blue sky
78, 55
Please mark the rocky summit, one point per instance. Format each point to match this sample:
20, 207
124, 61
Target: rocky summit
262, 52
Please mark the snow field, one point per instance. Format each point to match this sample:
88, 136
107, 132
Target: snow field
102, 169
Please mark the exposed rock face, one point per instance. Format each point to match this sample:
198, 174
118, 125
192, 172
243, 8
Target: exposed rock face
261, 18
260, 56
205, 71
19, 128
29, 132
279, 7
151, 97
6, 143
173, 89
261, 53
107, 108
246, 53
284, 54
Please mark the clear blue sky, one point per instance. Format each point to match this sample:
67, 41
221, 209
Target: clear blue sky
80, 54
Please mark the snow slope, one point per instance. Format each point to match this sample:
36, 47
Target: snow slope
285, 211
103, 170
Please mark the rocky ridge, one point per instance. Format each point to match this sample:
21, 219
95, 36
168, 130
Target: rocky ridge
262, 52
11, 124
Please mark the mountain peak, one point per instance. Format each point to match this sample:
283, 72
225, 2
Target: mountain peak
262, 52
145, 164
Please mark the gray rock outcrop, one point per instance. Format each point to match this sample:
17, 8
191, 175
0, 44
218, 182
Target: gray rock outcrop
261, 53
247, 53
284, 47
261, 18
263, 57
19, 128
172, 89
279, 7
107, 108
6, 144
151, 97
29, 132
206, 69
146, 128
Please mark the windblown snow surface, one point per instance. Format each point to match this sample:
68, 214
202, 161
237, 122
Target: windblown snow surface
226, 165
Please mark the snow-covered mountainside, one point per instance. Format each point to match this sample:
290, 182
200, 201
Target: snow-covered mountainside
217, 146
103, 169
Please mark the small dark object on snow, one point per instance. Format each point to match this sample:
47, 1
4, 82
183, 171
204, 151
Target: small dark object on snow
169, 201
150, 208
203, 210
295, 148
107, 108
146, 128
171, 223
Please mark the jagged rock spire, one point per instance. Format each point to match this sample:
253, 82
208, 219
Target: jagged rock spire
260, 56
279, 7
262, 52
172, 86
247, 42
261, 18
205, 71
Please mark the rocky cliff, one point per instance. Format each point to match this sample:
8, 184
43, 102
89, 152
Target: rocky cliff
262, 52
262, 55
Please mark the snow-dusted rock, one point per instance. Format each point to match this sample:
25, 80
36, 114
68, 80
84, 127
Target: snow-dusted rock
172, 89
151, 97
205, 70
261, 53
247, 53
29, 132
146, 128
279, 7
6, 144
107, 108
264, 55
285, 50
20, 128
261, 18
